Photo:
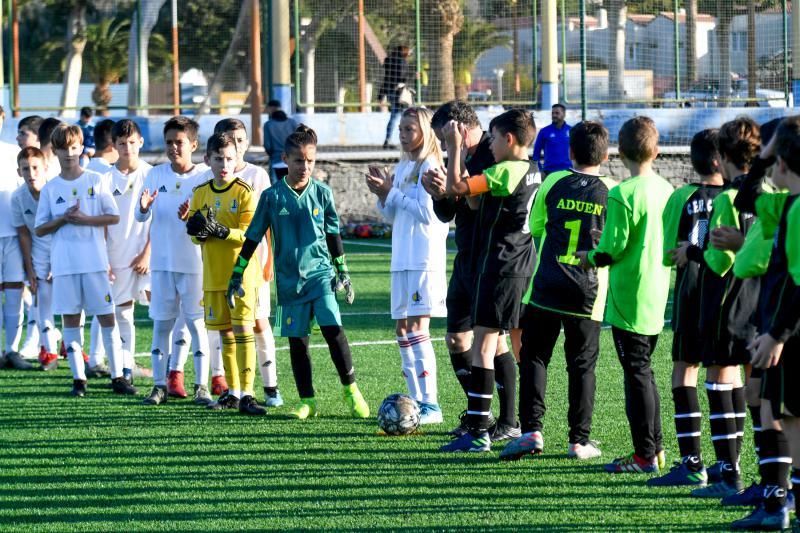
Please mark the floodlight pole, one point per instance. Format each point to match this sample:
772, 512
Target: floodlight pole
176, 71
255, 74
15, 58
362, 59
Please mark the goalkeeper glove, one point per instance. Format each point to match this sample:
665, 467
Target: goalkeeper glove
196, 226
235, 283
214, 228
341, 281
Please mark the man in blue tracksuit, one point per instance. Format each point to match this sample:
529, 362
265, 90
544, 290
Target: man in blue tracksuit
551, 150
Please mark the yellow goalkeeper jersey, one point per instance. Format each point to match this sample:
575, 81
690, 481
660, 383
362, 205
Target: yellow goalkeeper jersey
233, 206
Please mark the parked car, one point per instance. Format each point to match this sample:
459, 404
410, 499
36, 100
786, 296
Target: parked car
707, 94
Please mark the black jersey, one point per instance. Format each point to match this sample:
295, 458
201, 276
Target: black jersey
568, 206
448, 209
686, 219
503, 241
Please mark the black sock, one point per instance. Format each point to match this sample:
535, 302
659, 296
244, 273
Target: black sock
740, 408
505, 376
687, 422
774, 468
340, 353
796, 485
755, 415
723, 428
462, 366
301, 366
479, 399
526, 394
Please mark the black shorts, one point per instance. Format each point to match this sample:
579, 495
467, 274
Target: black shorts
687, 348
725, 350
460, 293
779, 384
498, 301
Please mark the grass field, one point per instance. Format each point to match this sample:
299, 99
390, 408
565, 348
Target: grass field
106, 463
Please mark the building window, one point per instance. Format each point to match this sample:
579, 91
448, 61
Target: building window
739, 41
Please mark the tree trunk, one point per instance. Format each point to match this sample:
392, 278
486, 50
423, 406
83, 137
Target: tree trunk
101, 96
75, 44
691, 41
724, 17
138, 46
617, 17
752, 66
446, 19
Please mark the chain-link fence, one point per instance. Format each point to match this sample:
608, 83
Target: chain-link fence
638, 53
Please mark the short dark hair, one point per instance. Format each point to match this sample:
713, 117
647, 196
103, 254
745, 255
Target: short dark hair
740, 141
86, 111
46, 129
518, 122
218, 141
562, 106
274, 103
184, 124
102, 134
229, 124
638, 139
302, 136
124, 128
30, 123
29, 152
588, 141
703, 151
457, 110
787, 143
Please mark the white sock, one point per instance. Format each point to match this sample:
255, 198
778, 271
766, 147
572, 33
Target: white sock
46, 322
12, 318
180, 345
409, 372
97, 348
265, 353
72, 340
114, 350
83, 329
127, 335
215, 349
425, 365
236, 393
159, 353
197, 330
31, 327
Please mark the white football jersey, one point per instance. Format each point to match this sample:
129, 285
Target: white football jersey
171, 248
23, 212
76, 249
9, 181
127, 239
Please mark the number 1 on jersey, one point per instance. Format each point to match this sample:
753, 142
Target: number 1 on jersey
574, 229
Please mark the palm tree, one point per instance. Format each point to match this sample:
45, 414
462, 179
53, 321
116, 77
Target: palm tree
474, 38
617, 18
106, 57
445, 18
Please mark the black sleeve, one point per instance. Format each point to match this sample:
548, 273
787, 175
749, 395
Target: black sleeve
445, 209
248, 248
750, 189
335, 246
602, 259
695, 253
786, 321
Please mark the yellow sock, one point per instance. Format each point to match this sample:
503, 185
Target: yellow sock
246, 359
229, 362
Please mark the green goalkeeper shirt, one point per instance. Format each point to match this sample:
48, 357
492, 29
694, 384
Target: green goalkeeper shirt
633, 240
299, 221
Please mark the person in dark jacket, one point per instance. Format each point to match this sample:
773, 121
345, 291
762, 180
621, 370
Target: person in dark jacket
395, 73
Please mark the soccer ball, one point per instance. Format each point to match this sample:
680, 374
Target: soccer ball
398, 414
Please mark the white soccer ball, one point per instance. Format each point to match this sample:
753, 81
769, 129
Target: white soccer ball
398, 414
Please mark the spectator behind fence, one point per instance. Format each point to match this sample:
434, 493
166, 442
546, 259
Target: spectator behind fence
395, 76
276, 129
553, 140
87, 128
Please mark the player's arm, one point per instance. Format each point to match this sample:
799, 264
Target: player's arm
538, 147
46, 223
333, 240
420, 208
723, 215
614, 239
456, 160
259, 224
753, 186
26, 246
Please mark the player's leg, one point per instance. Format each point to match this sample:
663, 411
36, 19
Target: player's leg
243, 317
634, 352
218, 317
12, 324
419, 339
399, 300
98, 301
505, 379
303, 379
178, 355
581, 349
67, 303
48, 356
97, 352
326, 311
190, 288
164, 309
123, 314
218, 382
459, 328
265, 349
720, 382
30, 345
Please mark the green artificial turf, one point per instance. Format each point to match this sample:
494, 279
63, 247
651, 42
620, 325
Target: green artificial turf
108, 463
